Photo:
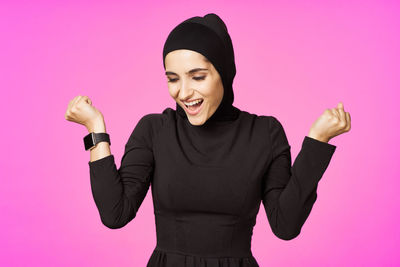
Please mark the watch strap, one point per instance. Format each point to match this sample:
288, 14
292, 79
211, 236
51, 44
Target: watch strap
92, 139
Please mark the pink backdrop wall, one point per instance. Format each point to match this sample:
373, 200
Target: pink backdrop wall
293, 58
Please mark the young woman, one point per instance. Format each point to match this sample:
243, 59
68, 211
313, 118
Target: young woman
209, 164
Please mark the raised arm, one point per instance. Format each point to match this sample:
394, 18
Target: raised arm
118, 193
289, 192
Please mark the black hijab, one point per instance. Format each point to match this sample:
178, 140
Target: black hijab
208, 36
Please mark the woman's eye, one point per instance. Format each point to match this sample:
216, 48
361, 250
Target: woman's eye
196, 78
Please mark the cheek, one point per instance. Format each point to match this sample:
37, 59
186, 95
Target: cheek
172, 91
216, 93
208, 90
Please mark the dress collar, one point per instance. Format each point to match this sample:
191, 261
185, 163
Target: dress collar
224, 112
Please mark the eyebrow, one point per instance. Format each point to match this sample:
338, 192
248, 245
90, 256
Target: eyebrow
189, 72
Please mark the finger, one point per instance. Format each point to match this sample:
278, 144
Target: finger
86, 99
76, 100
72, 101
80, 99
347, 128
341, 111
346, 120
337, 115
335, 112
330, 112
71, 105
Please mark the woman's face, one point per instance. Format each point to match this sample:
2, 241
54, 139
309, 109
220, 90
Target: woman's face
192, 77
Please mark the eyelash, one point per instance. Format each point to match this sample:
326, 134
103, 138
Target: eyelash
196, 78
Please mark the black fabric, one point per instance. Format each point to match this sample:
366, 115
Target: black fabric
207, 185
208, 36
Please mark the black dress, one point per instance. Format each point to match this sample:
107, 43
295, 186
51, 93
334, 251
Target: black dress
208, 183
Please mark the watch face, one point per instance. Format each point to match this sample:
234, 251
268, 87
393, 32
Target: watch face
89, 141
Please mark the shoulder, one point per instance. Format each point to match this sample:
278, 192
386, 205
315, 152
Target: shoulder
155, 121
147, 127
274, 123
266, 125
251, 117
275, 133
267, 122
262, 127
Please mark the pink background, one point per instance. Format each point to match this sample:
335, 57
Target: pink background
294, 59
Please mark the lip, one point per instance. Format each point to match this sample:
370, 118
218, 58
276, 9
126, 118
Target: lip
194, 112
191, 100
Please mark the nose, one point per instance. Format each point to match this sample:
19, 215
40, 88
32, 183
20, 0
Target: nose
185, 91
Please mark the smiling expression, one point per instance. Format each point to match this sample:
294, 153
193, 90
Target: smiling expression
191, 76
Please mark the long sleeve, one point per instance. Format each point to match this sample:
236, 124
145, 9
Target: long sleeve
289, 193
118, 193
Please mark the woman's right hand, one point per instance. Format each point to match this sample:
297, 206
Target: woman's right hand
81, 110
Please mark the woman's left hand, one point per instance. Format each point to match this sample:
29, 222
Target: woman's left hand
331, 123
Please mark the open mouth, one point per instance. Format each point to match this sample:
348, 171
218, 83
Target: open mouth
195, 106
194, 109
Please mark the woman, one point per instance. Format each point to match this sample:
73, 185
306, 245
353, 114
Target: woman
209, 164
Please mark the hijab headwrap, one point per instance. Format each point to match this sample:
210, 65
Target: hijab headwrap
208, 36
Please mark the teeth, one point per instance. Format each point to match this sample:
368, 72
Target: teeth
193, 102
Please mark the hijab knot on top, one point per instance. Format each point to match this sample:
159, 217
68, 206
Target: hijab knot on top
208, 36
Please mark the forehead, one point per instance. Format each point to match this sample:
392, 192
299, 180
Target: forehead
184, 58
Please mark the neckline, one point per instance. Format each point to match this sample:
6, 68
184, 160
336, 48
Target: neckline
223, 114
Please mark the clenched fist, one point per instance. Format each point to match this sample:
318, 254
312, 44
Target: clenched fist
331, 123
81, 110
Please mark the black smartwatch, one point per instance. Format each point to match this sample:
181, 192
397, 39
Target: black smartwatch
92, 139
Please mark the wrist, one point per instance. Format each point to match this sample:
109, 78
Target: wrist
97, 126
318, 137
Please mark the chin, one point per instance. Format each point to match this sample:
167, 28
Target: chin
195, 121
